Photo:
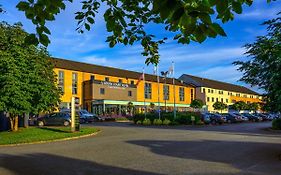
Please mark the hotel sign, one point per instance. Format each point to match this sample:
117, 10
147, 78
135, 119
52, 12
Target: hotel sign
115, 85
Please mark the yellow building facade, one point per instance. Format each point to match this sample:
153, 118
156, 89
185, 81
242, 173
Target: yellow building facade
211, 91
108, 90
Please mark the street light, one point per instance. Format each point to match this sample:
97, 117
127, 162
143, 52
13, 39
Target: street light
164, 74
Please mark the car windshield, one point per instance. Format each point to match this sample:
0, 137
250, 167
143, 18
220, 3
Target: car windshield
84, 112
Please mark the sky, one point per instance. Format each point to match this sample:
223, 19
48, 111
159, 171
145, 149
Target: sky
212, 59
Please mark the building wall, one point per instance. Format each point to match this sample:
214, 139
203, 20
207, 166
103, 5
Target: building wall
83, 76
227, 97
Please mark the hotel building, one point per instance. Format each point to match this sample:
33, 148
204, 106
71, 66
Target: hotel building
107, 90
211, 91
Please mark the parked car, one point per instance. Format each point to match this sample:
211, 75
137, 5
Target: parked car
244, 118
232, 118
263, 116
57, 118
86, 117
216, 118
206, 118
252, 117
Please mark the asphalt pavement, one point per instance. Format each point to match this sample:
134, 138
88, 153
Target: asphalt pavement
123, 148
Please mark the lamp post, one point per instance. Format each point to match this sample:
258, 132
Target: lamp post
165, 90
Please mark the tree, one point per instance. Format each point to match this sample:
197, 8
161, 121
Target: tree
253, 106
126, 21
197, 104
263, 67
219, 106
130, 107
27, 80
238, 106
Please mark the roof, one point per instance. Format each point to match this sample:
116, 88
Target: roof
204, 82
109, 71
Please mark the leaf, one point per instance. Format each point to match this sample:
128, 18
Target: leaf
91, 20
31, 39
44, 39
237, 7
22, 6
87, 26
218, 29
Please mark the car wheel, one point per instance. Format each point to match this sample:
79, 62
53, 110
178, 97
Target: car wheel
40, 123
66, 123
229, 121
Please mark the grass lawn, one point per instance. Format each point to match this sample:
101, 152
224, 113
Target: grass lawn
36, 134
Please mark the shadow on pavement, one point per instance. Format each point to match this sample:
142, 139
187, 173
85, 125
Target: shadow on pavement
264, 157
47, 164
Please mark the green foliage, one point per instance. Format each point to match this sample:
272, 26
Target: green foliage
219, 106
126, 21
157, 122
139, 122
167, 122
240, 105
253, 106
186, 118
263, 69
27, 79
197, 104
276, 124
146, 122
138, 117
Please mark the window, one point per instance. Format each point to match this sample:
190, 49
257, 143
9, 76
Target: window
92, 77
226, 100
181, 93
208, 99
74, 83
220, 92
213, 99
61, 81
238, 95
209, 91
132, 82
245, 96
106, 79
120, 81
212, 91
166, 92
102, 91
204, 90
222, 100
191, 94
217, 99
147, 91
129, 93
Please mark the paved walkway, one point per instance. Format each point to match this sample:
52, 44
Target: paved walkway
123, 148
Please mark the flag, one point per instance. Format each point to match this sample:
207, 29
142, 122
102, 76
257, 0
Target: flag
140, 78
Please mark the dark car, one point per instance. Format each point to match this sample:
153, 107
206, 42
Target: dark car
252, 117
86, 117
57, 118
216, 118
233, 118
263, 116
205, 117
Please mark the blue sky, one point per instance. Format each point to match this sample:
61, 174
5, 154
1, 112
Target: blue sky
212, 59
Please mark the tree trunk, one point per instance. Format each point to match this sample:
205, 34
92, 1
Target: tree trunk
26, 117
14, 121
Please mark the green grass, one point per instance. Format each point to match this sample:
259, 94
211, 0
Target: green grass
36, 134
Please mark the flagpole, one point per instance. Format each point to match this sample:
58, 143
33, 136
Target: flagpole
159, 112
173, 64
144, 92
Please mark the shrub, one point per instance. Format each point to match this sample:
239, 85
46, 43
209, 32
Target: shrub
157, 122
138, 117
146, 122
121, 119
166, 122
199, 122
139, 122
276, 124
167, 115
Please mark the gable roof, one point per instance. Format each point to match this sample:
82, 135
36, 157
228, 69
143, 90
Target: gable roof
109, 71
204, 82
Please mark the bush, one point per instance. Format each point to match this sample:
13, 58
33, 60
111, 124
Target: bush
168, 116
138, 117
166, 122
185, 118
121, 119
199, 122
146, 122
139, 122
276, 124
157, 122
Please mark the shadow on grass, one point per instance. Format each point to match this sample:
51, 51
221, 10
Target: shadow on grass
55, 129
40, 163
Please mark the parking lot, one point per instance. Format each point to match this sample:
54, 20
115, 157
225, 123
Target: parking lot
123, 148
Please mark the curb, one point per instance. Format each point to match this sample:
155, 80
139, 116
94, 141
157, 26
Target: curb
49, 141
